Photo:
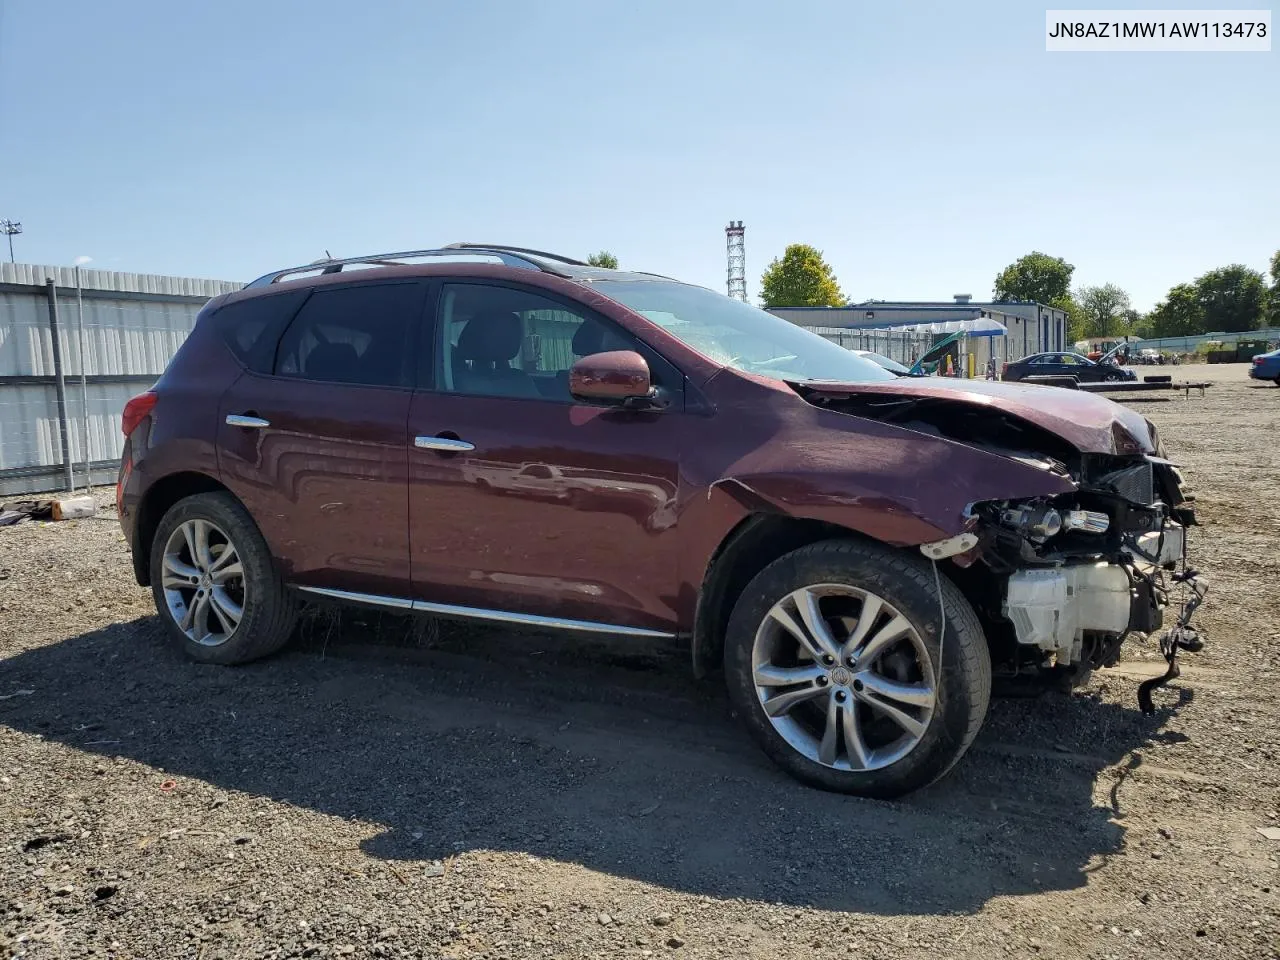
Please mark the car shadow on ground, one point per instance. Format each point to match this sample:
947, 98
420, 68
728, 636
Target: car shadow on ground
603, 754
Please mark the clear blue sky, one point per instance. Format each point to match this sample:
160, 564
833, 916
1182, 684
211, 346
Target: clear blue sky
921, 146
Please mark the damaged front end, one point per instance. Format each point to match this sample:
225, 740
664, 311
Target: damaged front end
1082, 571
1059, 581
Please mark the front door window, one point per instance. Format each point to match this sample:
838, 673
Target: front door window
502, 342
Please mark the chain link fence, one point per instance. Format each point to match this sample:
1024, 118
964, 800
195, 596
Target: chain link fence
903, 346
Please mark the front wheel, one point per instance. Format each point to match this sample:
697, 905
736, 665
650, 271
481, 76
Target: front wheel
834, 661
215, 584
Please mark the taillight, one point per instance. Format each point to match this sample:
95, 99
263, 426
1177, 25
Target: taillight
1258, 361
137, 410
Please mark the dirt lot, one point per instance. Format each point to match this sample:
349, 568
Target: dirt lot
386, 791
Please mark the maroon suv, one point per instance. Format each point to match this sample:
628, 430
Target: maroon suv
507, 435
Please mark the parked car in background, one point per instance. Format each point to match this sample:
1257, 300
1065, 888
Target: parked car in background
1066, 365
893, 366
1266, 366
1099, 348
536, 442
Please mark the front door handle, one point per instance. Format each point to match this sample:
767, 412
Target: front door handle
448, 444
251, 423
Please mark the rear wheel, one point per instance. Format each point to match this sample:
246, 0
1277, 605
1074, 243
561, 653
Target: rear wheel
215, 584
834, 663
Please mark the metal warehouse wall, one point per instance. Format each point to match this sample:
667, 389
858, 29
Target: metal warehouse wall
1033, 327
133, 324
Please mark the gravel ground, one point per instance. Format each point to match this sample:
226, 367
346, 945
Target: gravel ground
385, 789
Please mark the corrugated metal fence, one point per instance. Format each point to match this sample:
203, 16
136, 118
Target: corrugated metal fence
133, 324
1189, 344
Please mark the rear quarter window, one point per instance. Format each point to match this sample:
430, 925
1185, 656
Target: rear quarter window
252, 327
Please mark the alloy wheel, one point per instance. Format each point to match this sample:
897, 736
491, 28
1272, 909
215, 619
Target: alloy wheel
843, 677
203, 581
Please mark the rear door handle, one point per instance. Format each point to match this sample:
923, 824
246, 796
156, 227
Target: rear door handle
448, 444
251, 423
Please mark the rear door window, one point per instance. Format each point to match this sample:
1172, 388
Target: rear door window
357, 334
251, 327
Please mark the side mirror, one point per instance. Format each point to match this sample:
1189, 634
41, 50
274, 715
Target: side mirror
618, 376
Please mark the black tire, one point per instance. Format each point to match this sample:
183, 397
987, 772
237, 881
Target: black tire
907, 583
270, 609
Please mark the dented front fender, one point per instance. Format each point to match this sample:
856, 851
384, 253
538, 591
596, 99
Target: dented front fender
887, 482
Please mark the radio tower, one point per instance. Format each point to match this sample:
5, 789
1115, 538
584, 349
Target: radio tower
735, 239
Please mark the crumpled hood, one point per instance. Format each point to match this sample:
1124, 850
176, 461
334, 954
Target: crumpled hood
1090, 423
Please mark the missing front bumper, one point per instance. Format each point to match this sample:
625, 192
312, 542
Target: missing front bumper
1058, 610
1054, 608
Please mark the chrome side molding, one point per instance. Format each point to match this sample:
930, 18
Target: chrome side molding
399, 603
479, 613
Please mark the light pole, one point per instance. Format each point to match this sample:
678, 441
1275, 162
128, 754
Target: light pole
11, 228
84, 380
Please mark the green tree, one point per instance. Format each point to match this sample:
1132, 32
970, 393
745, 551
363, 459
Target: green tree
603, 259
1272, 315
1105, 310
1037, 276
1077, 322
1136, 323
800, 279
1180, 314
1232, 298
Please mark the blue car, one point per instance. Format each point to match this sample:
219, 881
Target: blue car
1266, 366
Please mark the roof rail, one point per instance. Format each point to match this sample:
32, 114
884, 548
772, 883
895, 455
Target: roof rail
541, 254
509, 256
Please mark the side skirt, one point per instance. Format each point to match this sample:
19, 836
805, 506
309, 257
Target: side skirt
479, 613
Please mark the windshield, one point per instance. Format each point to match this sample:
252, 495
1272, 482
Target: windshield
740, 335
893, 366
